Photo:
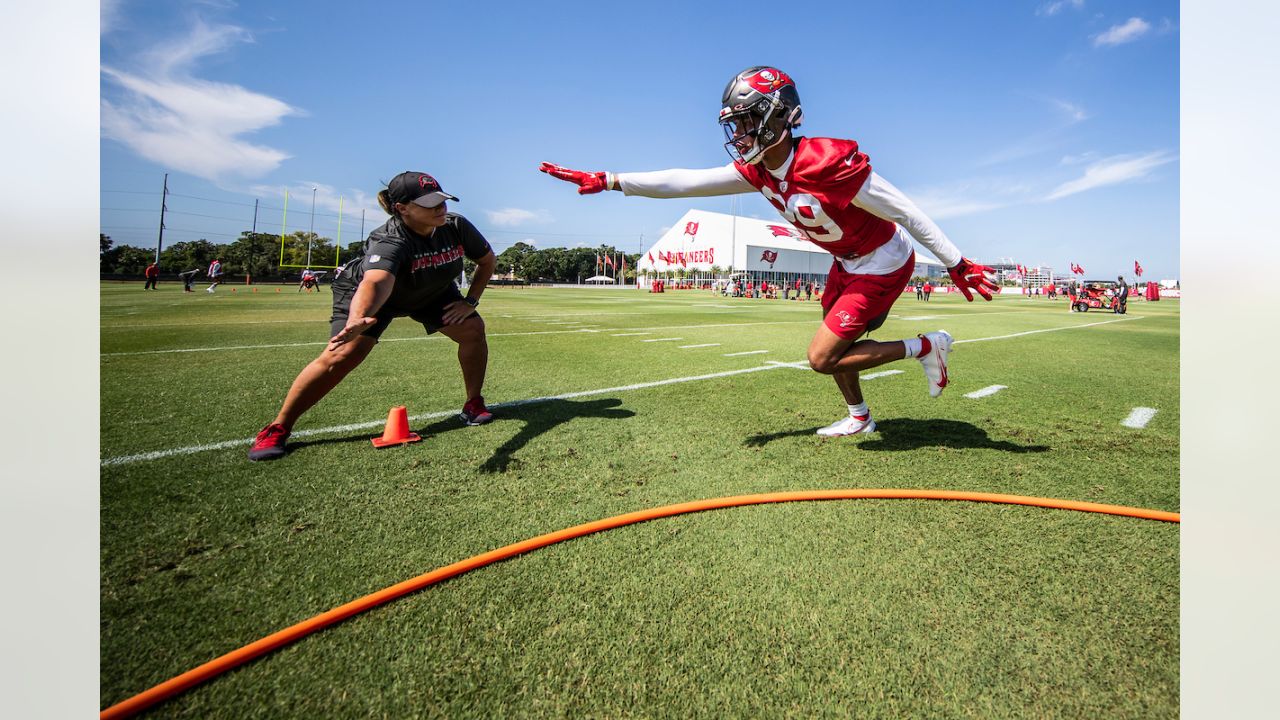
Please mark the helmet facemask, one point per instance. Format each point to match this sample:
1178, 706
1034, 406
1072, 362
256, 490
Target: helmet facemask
754, 120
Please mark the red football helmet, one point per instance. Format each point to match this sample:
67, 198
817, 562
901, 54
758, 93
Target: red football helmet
760, 104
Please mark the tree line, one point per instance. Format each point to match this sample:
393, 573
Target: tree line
259, 256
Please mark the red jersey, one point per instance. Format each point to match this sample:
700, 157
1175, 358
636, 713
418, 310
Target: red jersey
816, 195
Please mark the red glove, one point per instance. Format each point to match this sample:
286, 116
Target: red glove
587, 182
968, 275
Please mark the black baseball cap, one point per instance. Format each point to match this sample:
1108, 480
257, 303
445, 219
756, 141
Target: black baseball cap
417, 188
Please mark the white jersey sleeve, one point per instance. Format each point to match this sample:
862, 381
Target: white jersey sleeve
880, 198
678, 182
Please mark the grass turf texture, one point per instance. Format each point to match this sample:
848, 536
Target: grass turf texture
870, 608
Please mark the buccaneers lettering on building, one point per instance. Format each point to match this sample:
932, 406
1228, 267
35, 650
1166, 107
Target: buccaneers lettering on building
436, 259
696, 256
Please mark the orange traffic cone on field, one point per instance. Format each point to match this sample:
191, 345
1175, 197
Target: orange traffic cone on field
397, 430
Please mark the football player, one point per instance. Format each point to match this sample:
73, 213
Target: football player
826, 188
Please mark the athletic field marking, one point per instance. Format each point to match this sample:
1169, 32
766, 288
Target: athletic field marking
748, 352
630, 334
1033, 332
686, 347
192, 449
804, 365
883, 373
920, 317
438, 337
988, 390
1139, 417
661, 339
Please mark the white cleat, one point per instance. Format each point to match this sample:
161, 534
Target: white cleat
208, 290
935, 363
849, 426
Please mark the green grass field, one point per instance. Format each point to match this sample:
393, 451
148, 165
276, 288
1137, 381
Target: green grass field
864, 608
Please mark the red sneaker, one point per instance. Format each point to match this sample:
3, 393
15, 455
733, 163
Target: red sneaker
269, 444
474, 412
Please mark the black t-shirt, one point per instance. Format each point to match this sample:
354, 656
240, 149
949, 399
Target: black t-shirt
423, 266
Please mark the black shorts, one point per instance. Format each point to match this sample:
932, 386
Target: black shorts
431, 315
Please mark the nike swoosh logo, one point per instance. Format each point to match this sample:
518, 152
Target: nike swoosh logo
849, 160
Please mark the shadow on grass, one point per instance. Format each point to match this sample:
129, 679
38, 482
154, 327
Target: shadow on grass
543, 416
537, 417
908, 434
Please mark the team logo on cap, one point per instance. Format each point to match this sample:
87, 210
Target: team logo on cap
768, 80
425, 180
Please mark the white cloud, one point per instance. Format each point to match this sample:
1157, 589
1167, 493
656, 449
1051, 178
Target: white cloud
1077, 159
178, 121
1112, 171
1073, 111
510, 217
1052, 8
1132, 29
108, 16
970, 197
1056, 5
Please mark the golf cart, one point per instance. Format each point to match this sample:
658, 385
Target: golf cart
1097, 295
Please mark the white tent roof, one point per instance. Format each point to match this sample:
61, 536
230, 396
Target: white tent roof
701, 239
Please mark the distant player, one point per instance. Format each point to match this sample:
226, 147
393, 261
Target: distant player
152, 274
214, 273
826, 188
188, 278
1122, 295
310, 280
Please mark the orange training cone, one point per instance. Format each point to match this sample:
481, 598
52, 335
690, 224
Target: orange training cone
397, 430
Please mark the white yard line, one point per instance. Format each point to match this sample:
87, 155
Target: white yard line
661, 339
630, 334
884, 373
748, 352
988, 390
1139, 417
687, 347
1033, 332
225, 444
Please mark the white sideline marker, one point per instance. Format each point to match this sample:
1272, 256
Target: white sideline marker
988, 390
630, 334
748, 352
1139, 417
661, 339
881, 374
686, 347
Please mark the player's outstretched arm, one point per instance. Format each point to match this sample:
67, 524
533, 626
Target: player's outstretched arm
673, 183
969, 275
587, 182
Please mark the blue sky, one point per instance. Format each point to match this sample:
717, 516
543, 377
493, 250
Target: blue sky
1045, 132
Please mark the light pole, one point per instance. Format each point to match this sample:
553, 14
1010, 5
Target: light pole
312, 232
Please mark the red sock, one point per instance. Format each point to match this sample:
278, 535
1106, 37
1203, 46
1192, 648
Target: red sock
925, 346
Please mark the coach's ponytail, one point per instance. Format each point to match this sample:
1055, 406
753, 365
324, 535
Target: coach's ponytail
384, 199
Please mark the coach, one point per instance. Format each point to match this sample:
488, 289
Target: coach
407, 270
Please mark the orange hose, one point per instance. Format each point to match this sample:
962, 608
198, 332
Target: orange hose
235, 658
